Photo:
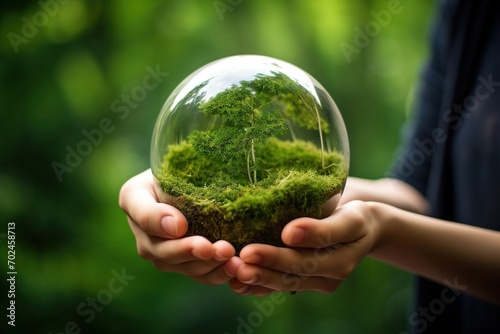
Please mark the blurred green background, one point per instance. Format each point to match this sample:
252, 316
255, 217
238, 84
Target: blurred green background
67, 65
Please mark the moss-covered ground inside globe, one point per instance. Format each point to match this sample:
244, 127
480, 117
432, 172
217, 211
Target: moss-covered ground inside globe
220, 203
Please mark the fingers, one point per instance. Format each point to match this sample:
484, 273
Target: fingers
194, 257
223, 250
265, 269
285, 281
174, 252
336, 262
324, 253
210, 272
215, 277
245, 289
159, 229
347, 224
138, 199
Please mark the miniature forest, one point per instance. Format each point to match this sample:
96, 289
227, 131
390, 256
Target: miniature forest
240, 181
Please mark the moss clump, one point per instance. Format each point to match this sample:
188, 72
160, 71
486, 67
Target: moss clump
235, 180
220, 203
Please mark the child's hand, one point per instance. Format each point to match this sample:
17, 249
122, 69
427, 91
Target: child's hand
159, 229
324, 253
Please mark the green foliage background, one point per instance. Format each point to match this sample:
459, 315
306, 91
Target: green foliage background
68, 77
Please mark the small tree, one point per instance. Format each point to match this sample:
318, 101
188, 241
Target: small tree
303, 110
243, 122
252, 112
297, 104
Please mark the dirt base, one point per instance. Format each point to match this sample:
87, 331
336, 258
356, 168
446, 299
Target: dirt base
211, 223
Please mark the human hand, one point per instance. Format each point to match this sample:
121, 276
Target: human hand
159, 229
390, 191
324, 253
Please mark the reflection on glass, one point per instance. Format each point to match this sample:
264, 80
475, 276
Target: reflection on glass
247, 143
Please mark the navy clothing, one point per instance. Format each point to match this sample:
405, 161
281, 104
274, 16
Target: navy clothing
451, 153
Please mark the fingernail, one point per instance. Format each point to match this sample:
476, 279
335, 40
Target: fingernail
241, 289
169, 225
297, 235
251, 280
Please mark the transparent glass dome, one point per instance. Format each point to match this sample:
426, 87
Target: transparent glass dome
247, 143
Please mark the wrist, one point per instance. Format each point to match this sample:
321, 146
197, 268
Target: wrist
381, 224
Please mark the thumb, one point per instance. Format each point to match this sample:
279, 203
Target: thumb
346, 224
139, 201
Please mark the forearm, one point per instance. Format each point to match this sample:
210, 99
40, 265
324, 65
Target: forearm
445, 252
390, 191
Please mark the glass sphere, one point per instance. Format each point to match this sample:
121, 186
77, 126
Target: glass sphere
246, 144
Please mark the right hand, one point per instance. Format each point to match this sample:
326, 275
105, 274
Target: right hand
159, 231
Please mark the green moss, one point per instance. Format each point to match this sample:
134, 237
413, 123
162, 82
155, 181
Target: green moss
220, 203
236, 181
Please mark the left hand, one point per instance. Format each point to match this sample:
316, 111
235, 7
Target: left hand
323, 253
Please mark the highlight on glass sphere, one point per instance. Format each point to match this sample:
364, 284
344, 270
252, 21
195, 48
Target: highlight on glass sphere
246, 144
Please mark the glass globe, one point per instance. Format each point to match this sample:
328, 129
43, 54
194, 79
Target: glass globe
246, 144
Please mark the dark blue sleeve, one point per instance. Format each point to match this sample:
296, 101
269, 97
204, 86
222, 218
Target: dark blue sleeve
413, 159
